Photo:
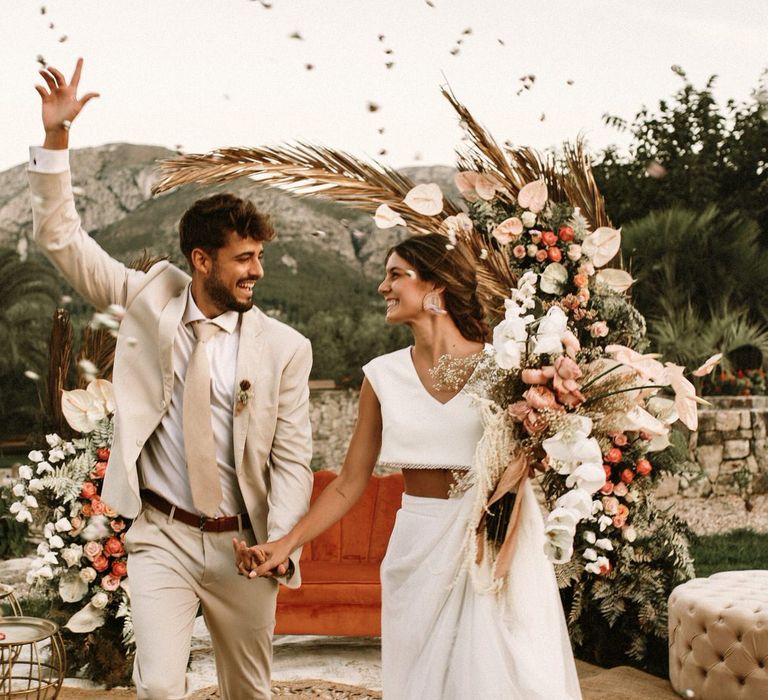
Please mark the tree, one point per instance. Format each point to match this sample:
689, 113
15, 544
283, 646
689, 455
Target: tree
691, 153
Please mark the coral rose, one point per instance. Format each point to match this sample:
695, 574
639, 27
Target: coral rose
541, 255
519, 251
100, 563
549, 237
539, 397
119, 568
608, 470
86, 510
607, 488
614, 455
114, 547
627, 476
554, 254
88, 489
565, 233
580, 280
102, 454
98, 471
117, 525
643, 467
620, 440
97, 506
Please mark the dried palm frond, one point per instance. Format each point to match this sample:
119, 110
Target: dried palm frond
59, 358
579, 186
303, 169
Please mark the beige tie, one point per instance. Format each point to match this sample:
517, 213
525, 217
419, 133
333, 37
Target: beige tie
199, 445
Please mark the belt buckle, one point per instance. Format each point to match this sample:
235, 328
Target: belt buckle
203, 521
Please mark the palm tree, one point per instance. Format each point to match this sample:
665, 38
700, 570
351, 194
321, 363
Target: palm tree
29, 293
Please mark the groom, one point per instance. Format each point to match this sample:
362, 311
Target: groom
212, 436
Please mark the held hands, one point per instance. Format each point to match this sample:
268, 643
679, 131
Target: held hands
60, 104
268, 560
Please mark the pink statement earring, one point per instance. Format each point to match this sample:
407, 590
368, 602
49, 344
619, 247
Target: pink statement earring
433, 303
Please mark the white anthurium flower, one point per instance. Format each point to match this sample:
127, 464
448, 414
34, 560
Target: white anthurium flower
25, 472
558, 543
101, 390
487, 186
72, 555
554, 278
533, 196
590, 554
426, 199
549, 335
604, 543
44, 468
30, 501
18, 490
617, 280
602, 245
465, 182
589, 476
647, 366
662, 408
72, 588
637, 418
708, 366
577, 500
86, 619
81, 410
35, 456
685, 396
572, 446
386, 217
35, 485
590, 537
56, 542
509, 350
603, 522
62, 525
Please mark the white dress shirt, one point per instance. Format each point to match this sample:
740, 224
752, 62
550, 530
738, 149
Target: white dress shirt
162, 463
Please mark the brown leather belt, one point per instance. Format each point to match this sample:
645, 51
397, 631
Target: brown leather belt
227, 523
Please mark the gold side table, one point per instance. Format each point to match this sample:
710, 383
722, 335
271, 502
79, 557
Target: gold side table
8, 598
32, 659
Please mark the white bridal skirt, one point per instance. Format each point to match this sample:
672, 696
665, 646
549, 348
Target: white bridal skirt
443, 640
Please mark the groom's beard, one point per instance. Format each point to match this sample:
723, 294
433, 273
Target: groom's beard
219, 293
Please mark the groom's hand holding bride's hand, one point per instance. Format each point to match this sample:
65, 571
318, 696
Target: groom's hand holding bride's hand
266, 560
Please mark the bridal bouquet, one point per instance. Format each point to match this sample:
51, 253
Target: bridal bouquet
81, 564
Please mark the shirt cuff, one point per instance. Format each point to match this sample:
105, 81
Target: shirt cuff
45, 160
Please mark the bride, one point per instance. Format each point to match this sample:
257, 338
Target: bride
441, 638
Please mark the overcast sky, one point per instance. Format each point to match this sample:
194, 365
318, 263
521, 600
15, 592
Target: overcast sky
205, 73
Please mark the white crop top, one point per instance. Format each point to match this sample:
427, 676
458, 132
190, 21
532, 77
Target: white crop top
419, 432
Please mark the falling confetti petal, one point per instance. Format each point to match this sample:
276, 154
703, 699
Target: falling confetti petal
467, 31
34, 376
63, 38
389, 52
542, 117
381, 130
225, 96
373, 107
41, 60
383, 152
296, 35
417, 156
430, 3
678, 69
569, 82
51, 25
655, 169
501, 41
389, 64
454, 51
381, 37
309, 66
43, 10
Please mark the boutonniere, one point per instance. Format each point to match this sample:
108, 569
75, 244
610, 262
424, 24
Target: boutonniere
244, 393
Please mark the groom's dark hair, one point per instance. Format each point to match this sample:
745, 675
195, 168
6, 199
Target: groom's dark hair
208, 221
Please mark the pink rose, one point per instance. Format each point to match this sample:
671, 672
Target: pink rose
565, 384
620, 440
538, 376
620, 489
98, 471
518, 411
110, 582
539, 398
117, 525
580, 280
535, 236
541, 255
97, 506
587, 269
91, 550
607, 488
535, 422
599, 329
583, 296
519, 251
619, 521
574, 252
610, 505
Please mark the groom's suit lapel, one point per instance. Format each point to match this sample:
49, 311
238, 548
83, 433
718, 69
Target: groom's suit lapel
170, 318
250, 368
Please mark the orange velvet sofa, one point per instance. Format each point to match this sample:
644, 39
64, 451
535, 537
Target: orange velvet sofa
340, 591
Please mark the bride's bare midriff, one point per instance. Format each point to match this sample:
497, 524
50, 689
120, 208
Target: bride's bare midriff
428, 483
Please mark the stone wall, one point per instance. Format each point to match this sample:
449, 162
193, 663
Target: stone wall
729, 451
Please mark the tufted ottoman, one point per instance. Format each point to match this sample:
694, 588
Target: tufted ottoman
718, 636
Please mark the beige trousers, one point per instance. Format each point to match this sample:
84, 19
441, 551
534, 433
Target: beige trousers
173, 567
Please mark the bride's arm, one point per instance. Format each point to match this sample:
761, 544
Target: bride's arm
335, 500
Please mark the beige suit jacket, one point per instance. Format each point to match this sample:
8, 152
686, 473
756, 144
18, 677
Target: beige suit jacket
272, 435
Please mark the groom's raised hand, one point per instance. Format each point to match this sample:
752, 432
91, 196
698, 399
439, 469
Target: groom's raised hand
61, 104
